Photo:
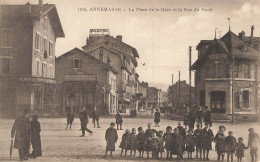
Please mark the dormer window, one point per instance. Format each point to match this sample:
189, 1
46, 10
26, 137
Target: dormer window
76, 63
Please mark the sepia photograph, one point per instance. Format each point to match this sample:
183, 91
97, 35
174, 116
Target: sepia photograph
130, 80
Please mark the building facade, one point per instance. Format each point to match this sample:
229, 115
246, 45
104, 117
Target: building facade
28, 35
122, 57
221, 61
154, 97
87, 82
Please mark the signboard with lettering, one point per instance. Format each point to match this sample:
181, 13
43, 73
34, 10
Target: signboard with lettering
6, 52
214, 85
29, 79
98, 32
217, 56
81, 77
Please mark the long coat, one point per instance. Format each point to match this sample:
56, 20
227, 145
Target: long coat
198, 134
157, 117
253, 140
207, 136
83, 116
207, 117
140, 141
182, 133
240, 150
220, 143
70, 117
148, 138
35, 138
176, 144
133, 141
119, 119
190, 143
22, 132
168, 138
125, 143
230, 142
111, 139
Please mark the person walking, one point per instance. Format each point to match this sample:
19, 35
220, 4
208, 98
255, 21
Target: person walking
253, 144
84, 122
70, 118
95, 117
21, 131
35, 137
157, 116
111, 139
119, 120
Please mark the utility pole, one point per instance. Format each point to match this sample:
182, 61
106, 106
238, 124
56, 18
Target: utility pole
190, 76
172, 79
179, 105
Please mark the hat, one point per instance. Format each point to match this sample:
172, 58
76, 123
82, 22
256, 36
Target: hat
133, 129
240, 138
250, 129
140, 128
230, 132
222, 126
127, 130
112, 124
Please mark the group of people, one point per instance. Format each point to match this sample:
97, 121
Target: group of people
176, 141
26, 132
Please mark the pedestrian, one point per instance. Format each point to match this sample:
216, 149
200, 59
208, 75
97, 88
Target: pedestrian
190, 143
148, 137
70, 118
168, 138
240, 149
95, 117
160, 144
199, 115
125, 143
207, 117
198, 141
192, 118
140, 141
133, 141
155, 143
21, 131
157, 115
111, 138
230, 142
84, 122
177, 144
119, 120
182, 133
35, 137
220, 143
207, 136
253, 143
186, 120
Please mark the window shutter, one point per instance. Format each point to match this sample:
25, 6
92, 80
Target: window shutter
250, 95
240, 99
252, 71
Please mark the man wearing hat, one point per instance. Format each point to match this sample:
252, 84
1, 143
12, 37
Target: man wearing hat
84, 122
21, 131
111, 138
253, 143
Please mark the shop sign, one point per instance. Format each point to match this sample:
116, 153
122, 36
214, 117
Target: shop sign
81, 77
217, 56
217, 85
34, 79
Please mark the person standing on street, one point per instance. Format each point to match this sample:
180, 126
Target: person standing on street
35, 137
207, 117
70, 118
84, 122
119, 120
199, 115
253, 143
95, 117
207, 136
111, 138
157, 116
21, 130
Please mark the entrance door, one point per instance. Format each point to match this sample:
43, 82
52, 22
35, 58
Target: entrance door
217, 101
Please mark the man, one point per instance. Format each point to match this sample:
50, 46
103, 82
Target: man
119, 120
182, 133
70, 118
111, 138
84, 122
22, 131
199, 115
207, 117
157, 118
95, 117
253, 143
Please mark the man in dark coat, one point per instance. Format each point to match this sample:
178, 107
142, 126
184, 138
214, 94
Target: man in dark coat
21, 130
119, 120
95, 117
111, 138
207, 117
35, 137
84, 122
199, 115
253, 144
192, 118
157, 118
70, 118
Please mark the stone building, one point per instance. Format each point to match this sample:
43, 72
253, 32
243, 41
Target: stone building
28, 36
87, 82
122, 57
154, 97
214, 71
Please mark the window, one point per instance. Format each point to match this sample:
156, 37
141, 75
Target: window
217, 101
45, 23
44, 69
245, 99
101, 55
76, 63
45, 47
51, 71
51, 49
37, 41
216, 69
7, 38
6, 66
38, 67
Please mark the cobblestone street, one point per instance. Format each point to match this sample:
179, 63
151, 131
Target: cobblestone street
59, 144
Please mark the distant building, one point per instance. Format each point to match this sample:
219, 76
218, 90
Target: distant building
122, 57
28, 36
143, 87
154, 97
214, 73
87, 82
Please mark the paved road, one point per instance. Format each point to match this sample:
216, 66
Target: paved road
59, 144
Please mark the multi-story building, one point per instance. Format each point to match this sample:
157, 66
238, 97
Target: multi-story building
87, 82
219, 62
28, 35
122, 57
153, 97
143, 86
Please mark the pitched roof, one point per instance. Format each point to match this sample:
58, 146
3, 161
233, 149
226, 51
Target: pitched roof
35, 12
77, 50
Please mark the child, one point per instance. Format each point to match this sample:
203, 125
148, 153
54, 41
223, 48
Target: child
182, 133
230, 142
190, 144
124, 145
111, 138
253, 143
140, 141
119, 120
198, 141
133, 141
160, 145
154, 142
168, 142
35, 137
240, 149
177, 143
207, 136
186, 120
220, 143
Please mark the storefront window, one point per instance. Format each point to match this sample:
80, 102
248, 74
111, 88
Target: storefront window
217, 101
6, 66
245, 96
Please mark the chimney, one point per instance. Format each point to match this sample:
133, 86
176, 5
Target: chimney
242, 35
119, 37
28, 5
40, 3
252, 31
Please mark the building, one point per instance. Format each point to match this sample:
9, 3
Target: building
154, 97
215, 72
28, 36
120, 56
143, 86
178, 95
87, 82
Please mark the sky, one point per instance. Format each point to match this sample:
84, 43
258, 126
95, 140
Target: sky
161, 38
